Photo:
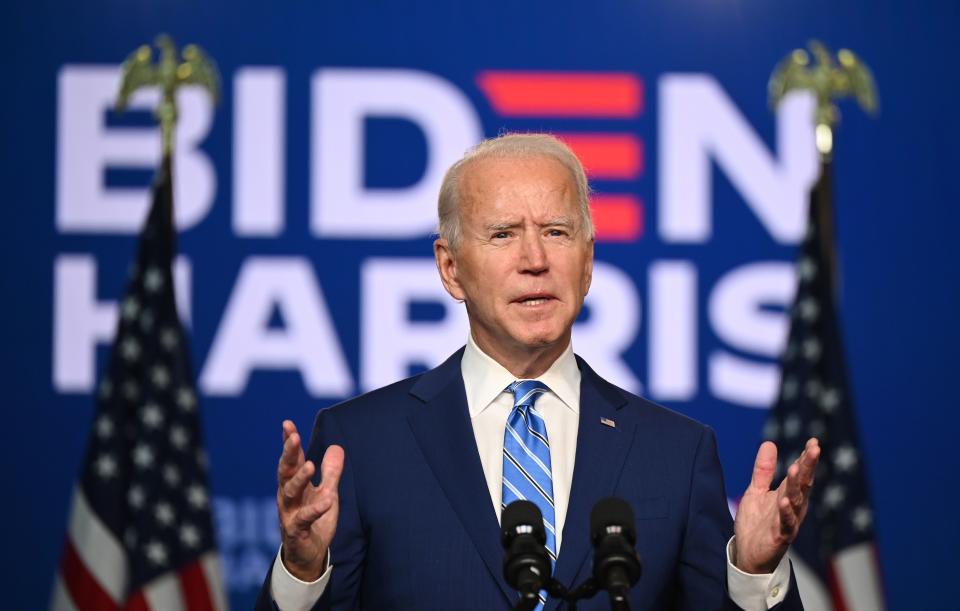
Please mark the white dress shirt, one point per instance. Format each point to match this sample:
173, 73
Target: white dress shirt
489, 403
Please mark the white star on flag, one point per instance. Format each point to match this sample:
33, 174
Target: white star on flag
130, 349
833, 496
189, 535
197, 496
106, 466
164, 513
179, 437
104, 426
160, 376
152, 416
153, 280
130, 308
156, 552
171, 475
143, 456
136, 496
845, 458
862, 518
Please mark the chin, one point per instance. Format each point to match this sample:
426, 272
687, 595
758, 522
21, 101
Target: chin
540, 339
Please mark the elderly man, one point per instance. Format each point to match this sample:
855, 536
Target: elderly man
404, 513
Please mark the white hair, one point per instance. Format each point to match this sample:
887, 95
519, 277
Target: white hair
509, 146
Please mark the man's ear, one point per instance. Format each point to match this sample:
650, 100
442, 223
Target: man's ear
447, 266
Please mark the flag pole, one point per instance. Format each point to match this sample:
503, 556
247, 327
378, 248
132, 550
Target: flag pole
140, 534
828, 79
834, 555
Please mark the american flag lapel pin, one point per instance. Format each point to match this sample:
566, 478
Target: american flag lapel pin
608, 422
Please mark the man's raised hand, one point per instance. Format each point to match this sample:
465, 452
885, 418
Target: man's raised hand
308, 513
768, 520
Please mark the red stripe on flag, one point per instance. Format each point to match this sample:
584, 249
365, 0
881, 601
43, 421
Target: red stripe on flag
563, 94
617, 218
85, 590
196, 593
607, 156
137, 602
836, 591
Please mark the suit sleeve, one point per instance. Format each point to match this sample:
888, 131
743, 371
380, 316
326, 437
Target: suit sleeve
792, 601
348, 549
703, 562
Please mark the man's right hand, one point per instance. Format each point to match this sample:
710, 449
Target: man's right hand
308, 513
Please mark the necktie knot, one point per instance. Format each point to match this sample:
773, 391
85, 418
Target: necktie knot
526, 392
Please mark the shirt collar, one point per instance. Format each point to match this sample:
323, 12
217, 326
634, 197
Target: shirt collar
484, 378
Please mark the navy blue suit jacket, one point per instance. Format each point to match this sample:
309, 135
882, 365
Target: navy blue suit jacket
417, 529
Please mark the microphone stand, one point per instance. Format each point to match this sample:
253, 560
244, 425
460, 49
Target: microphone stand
529, 600
588, 589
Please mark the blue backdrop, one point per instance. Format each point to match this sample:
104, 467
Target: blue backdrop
692, 287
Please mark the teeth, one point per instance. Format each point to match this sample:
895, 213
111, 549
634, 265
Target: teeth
534, 302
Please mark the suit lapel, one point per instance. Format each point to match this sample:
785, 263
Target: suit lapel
443, 431
601, 452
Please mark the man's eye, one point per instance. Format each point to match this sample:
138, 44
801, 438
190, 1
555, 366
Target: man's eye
557, 232
501, 235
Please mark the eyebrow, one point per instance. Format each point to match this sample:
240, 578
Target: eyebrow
502, 226
559, 221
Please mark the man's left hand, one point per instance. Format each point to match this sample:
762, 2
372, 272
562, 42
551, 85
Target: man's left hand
768, 520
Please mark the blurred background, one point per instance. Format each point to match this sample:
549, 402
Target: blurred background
306, 204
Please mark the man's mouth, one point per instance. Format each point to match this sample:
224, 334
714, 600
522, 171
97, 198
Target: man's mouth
532, 301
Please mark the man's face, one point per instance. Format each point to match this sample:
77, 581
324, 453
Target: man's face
524, 262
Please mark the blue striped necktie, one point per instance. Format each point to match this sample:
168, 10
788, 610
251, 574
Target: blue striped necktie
526, 459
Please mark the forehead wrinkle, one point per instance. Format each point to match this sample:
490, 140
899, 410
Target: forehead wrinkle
480, 198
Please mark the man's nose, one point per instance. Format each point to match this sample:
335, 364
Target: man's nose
533, 255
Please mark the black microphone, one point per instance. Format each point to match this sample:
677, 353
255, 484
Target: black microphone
526, 563
616, 563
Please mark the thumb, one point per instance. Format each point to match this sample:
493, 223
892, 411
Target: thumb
764, 467
331, 467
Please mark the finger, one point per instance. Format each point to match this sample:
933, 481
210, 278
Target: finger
291, 459
800, 475
807, 462
289, 428
791, 488
788, 519
331, 468
764, 467
291, 492
308, 514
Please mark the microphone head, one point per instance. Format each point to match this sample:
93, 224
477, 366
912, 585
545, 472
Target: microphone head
526, 563
522, 518
616, 563
612, 516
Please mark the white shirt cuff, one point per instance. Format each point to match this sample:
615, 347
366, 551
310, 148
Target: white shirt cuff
757, 592
292, 594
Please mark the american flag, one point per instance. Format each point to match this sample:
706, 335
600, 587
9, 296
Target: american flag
140, 534
835, 554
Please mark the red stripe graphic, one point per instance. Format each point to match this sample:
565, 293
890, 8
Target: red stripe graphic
607, 156
617, 218
563, 94
196, 593
85, 590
